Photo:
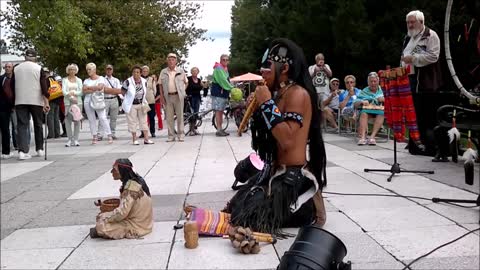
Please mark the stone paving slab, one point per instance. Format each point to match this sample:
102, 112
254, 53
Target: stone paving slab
45, 238
217, 253
119, 257
385, 219
408, 244
447, 263
37, 258
12, 170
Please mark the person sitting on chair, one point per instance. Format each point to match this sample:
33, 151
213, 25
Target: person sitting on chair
133, 218
370, 95
347, 98
330, 104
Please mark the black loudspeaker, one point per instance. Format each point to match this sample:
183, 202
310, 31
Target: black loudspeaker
247, 168
315, 249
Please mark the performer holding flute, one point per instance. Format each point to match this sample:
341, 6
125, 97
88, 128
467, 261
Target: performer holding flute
287, 192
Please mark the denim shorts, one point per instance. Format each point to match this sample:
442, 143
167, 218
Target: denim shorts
219, 103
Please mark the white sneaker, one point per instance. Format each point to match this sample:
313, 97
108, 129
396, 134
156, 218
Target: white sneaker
40, 153
7, 156
136, 142
23, 156
68, 143
76, 143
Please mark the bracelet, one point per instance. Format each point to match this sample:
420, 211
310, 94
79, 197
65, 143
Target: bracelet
271, 114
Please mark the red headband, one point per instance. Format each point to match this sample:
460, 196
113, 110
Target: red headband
122, 165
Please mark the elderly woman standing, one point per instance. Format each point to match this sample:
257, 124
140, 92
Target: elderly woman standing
133, 218
91, 85
372, 94
150, 95
193, 93
135, 104
72, 93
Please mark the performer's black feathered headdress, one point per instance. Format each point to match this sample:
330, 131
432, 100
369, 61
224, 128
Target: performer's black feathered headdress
125, 168
284, 51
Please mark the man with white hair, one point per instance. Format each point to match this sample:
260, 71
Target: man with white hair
31, 99
421, 51
173, 81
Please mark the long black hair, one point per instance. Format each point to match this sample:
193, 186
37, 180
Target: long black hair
125, 168
298, 72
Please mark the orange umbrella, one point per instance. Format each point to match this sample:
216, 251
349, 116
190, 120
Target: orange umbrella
246, 77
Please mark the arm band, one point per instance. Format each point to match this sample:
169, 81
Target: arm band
271, 114
293, 116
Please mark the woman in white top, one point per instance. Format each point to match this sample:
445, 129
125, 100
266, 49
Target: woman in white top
72, 92
91, 85
135, 105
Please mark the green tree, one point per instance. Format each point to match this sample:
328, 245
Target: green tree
356, 36
249, 33
118, 32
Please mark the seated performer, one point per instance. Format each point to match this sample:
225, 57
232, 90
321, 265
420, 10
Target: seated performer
134, 217
286, 193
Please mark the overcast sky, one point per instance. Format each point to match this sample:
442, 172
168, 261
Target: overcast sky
215, 17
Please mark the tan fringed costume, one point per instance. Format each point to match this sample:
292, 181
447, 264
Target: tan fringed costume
132, 219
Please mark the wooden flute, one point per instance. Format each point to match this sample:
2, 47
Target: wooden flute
249, 112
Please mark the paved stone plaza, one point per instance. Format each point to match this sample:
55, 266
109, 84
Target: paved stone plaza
47, 206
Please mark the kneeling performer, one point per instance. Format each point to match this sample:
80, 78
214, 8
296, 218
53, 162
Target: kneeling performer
287, 192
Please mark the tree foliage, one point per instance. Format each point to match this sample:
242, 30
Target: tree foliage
118, 32
356, 36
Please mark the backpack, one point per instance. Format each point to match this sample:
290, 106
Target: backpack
55, 89
76, 112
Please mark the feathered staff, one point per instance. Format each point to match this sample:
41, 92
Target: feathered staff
454, 136
470, 156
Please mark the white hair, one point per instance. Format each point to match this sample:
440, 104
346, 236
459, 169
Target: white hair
146, 67
224, 55
72, 66
417, 14
373, 74
91, 66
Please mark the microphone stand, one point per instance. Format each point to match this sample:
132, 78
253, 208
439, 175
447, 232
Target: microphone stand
395, 169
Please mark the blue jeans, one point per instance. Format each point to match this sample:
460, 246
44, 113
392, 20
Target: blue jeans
195, 101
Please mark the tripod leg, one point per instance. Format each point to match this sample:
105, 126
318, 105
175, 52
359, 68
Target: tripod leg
389, 179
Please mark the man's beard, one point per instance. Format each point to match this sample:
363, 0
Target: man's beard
413, 32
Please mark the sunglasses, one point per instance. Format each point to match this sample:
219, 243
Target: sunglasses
225, 60
335, 83
349, 82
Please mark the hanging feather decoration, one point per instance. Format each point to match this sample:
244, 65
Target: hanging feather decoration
454, 136
470, 156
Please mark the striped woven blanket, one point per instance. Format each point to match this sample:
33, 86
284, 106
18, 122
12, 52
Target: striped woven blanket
212, 223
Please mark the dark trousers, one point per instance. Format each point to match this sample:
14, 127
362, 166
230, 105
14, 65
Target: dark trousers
14, 128
151, 118
53, 120
23, 119
5, 131
195, 101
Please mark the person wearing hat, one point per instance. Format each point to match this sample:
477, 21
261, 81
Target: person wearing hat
173, 81
330, 104
31, 100
111, 102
